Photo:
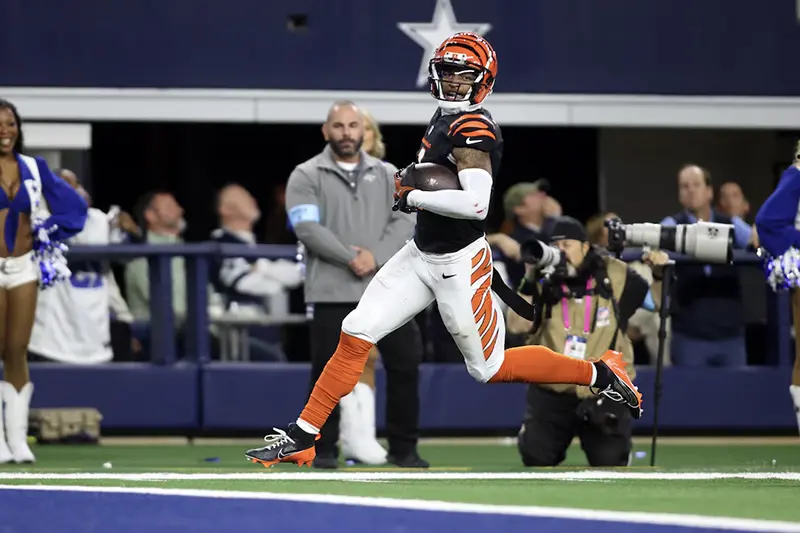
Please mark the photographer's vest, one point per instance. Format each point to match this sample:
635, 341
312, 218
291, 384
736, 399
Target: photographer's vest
707, 301
601, 330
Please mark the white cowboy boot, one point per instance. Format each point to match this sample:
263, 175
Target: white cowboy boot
5, 453
371, 448
349, 419
354, 428
16, 419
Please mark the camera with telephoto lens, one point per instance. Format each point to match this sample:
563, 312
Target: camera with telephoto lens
709, 242
535, 252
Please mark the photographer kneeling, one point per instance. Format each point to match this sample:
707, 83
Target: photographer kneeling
584, 305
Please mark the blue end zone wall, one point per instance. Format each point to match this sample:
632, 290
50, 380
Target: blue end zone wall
129, 395
251, 397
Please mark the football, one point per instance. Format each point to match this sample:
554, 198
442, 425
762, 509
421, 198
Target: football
429, 177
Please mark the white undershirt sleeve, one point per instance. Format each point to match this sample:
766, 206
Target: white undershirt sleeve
470, 203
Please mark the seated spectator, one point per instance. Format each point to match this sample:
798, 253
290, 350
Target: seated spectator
733, 203
161, 217
707, 312
73, 322
246, 284
529, 215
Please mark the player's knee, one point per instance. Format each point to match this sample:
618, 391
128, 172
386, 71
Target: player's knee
356, 324
481, 374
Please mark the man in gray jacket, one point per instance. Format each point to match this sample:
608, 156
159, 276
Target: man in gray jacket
340, 206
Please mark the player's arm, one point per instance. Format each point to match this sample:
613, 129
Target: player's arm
775, 221
302, 206
474, 173
473, 137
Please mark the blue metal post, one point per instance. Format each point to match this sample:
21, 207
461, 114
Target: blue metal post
162, 319
197, 341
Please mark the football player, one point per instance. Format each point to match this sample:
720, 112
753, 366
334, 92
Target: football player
448, 261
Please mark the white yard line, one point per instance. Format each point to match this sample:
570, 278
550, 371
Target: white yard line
593, 475
692, 521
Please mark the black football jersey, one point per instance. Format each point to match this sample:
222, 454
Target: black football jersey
436, 233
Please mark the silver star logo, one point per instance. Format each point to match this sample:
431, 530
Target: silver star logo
429, 35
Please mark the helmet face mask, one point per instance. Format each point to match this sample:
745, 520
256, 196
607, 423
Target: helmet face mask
462, 72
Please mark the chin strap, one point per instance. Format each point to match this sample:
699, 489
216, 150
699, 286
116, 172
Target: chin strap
469, 109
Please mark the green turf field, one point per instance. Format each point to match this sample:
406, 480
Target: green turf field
223, 467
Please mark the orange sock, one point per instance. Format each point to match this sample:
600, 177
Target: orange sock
537, 364
337, 380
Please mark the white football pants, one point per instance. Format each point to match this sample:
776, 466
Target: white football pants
460, 282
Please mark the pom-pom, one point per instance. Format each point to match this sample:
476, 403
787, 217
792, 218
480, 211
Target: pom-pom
49, 255
782, 272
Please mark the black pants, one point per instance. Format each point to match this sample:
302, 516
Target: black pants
401, 354
553, 419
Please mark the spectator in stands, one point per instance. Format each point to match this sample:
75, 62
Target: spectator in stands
707, 314
357, 423
247, 283
529, 215
733, 203
161, 216
643, 324
585, 308
73, 320
732, 200
340, 206
34, 202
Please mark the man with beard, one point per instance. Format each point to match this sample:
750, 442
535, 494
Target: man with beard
161, 217
340, 206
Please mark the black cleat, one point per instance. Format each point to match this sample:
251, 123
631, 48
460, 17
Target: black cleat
621, 390
291, 446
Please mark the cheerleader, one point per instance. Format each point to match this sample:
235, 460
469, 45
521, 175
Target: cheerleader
37, 213
778, 229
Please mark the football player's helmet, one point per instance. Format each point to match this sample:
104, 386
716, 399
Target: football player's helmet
462, 71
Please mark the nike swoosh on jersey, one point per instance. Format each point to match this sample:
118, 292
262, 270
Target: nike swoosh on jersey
473, 141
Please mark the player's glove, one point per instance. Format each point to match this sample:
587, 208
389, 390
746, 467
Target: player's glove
401, 193
401, 200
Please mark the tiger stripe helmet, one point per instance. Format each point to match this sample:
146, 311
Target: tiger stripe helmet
466, 50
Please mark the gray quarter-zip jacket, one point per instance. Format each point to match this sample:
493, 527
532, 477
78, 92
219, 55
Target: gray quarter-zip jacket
332, 212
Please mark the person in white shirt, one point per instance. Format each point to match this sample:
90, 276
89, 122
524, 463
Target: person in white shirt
72, 323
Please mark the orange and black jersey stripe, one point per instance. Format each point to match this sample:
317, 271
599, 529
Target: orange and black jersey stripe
475, 130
